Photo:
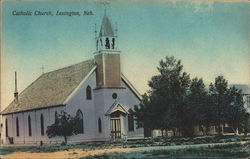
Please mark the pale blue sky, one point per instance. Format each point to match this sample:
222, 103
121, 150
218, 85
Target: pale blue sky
211, 39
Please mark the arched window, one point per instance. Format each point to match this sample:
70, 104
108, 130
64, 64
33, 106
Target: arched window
107, 45
130, 121
6, 127
113, 43
29, 126
17, 126
88, 93
42, 124
99, 125
79, 116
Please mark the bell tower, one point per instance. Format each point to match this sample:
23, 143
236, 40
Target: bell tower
107, 56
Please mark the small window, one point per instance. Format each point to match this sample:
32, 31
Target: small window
42, 125
130, 122
99, 125
114, 95
29, 126
6, 127
79, 116
88, 93
17, 126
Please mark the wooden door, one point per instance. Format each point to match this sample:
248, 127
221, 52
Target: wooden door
115, 128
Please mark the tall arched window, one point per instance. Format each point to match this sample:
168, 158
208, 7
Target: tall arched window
42, 124
29, 126
99, 125
6, 128
17, 126
113, 43
80, 124
88, 93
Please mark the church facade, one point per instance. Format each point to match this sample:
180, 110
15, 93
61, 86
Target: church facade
94, 90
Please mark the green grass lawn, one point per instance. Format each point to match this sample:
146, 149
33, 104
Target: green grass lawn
53, 148
217, 151
231, 151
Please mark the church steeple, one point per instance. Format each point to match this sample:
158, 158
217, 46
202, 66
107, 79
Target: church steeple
107, 57
107, 38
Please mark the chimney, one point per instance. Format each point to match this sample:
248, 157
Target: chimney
16, 93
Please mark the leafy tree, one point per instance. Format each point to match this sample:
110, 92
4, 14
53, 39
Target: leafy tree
163, 107
145, 115
235, 112
196, 111
246, 123
218, 93
65, 126
227, 104
177, 103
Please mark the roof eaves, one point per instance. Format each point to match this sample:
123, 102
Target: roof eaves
52, 106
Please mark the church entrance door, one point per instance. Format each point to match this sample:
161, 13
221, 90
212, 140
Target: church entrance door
115, 128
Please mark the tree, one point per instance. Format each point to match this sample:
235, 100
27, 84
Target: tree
65, 126
196, 110
235, 112
177, 103
246, 123
163, 107
144, 115
218, 94
227, 104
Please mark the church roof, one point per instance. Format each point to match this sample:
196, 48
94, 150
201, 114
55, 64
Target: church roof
106, 28
51, 89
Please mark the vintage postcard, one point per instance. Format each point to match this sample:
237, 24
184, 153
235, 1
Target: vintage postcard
139, 79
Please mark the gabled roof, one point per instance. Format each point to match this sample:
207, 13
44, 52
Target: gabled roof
51, 89
106, 28
117, 107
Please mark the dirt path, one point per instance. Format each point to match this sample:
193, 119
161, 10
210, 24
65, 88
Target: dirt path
70, 154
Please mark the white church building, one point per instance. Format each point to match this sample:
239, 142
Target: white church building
94, 90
